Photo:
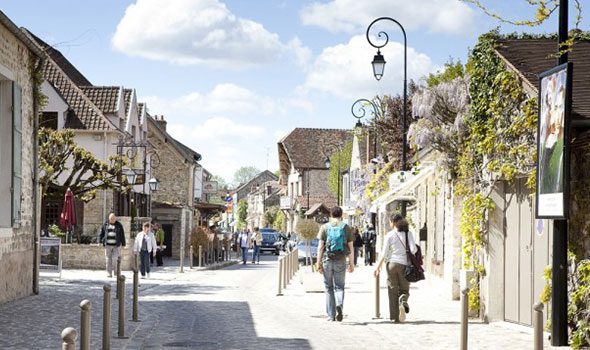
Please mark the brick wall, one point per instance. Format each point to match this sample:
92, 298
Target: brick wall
172, 173
16, 244
94, 214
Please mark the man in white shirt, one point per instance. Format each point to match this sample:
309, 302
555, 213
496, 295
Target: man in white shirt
144, 245
245, 243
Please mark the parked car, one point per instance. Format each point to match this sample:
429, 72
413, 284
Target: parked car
269, 240
302, 249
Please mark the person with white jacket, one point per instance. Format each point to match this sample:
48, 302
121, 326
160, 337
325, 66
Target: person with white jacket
395, 254
144, 246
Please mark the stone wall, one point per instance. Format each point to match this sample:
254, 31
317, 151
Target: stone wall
16, 244
173, 174
94, 212
91, 256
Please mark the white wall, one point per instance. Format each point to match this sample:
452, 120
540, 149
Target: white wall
55, 103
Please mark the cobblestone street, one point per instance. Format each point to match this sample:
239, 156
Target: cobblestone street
237, 308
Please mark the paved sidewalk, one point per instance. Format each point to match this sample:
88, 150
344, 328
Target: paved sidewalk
237, 308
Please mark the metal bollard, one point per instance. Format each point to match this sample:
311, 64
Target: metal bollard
464, 318
182, 259
119, 274
538, 326
280, 277
377, 298
191, 259
288, 261
69, 337
284, 273
200, 255
85, 308
106, 318
135, 295
121, 330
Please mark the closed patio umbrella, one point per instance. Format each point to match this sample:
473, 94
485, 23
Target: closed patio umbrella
67, 218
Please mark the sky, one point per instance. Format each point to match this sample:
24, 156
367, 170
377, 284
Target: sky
232, 77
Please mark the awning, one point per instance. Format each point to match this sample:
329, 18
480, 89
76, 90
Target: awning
402, 184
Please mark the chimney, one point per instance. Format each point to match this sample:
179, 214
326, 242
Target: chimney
161, 121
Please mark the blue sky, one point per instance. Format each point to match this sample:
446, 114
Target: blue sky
234, 76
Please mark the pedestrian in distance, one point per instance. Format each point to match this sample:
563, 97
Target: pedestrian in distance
394, 253
358, 244
335, 245
112, 237
159, 244
144, 246
369, 240
256, 244
245, 243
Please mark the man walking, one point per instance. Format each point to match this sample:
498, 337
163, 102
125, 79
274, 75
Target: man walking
159, 243
257, 243
369, 238
244, 242
112, 237
335, 245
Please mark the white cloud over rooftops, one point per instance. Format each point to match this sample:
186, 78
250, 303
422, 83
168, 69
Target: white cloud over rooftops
438, 16
198, 32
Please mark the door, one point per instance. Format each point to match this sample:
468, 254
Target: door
526, 254
167, 239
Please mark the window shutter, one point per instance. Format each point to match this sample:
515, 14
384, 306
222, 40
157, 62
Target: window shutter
17, 177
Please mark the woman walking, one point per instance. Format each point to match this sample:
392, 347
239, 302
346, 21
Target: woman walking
394, 253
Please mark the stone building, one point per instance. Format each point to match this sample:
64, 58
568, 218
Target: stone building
19, 59
242, 192
180, 175
261, 199
106, 120
302, 156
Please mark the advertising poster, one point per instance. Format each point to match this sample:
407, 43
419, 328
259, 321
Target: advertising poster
50, 254
554, 108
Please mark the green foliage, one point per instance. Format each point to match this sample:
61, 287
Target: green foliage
245, 174
84, 174
270, 216
379, 183
280, 221
307, 229
579, 306
339, 161
242, 213
56, 231
450, 72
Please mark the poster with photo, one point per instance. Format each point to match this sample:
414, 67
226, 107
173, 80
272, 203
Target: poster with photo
552, 152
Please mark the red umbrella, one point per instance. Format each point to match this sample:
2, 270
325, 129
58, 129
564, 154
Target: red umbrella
67, 218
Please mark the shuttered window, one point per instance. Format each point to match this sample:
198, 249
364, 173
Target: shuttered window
17, 177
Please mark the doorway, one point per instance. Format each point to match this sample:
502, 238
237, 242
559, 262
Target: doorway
167, 239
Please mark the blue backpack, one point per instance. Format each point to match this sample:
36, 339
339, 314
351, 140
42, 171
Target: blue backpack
335, 245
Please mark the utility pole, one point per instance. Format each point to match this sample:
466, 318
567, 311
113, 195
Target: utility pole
559, 298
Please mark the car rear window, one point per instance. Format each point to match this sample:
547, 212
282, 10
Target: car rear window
269, 236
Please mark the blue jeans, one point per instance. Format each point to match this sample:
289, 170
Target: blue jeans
144, 258
256, 253
334, 274
244, 254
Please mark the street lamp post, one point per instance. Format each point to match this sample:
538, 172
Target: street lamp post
378, 70
359, 112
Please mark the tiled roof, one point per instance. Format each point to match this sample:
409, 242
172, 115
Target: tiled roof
533, 56
104, 97
68, 69
308, 148
127, 94
84, 114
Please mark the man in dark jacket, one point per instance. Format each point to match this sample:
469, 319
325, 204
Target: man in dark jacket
369, 239
112, 237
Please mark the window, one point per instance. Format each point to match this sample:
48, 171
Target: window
10, 153
17, 136
48, 120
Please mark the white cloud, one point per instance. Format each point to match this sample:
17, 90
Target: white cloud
345, 70
441, 16
226, 98
197, 32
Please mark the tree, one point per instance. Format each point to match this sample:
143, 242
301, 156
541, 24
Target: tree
60, 156
270, 216
343, 157
307, 229
242, 213
245, 174
279, 223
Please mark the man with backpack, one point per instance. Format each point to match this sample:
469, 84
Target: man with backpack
336, 244
369, 239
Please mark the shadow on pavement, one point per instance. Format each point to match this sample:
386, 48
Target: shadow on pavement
204, 325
